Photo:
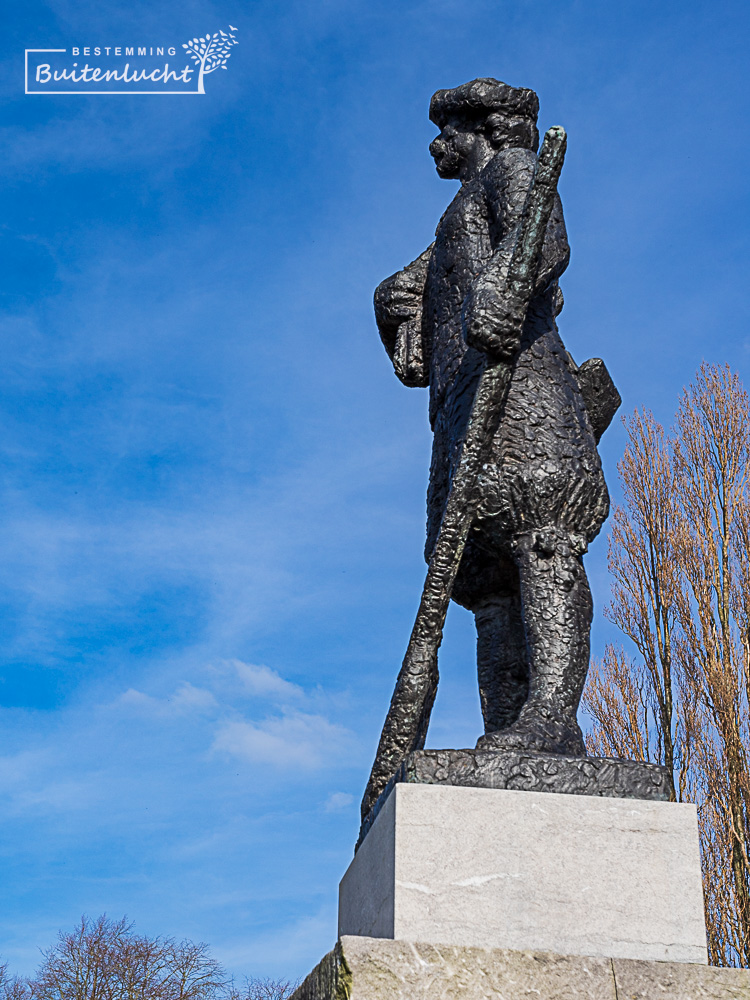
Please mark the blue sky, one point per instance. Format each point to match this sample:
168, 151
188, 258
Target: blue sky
212, 483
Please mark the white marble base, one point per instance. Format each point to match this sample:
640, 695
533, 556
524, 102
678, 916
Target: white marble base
493, 868
362, 968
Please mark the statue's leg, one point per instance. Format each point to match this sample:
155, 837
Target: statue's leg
488, 585
502, 663
557, 612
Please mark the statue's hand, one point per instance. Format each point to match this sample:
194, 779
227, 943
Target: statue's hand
492, 323
408, 354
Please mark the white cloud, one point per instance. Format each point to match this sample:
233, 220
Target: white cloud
186, 700
58, 796
38, 782
19, 768
338, 801
294, 739
261, 680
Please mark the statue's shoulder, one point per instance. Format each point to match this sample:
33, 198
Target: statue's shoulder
507, 165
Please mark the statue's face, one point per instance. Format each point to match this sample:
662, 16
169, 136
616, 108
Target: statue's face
453, 148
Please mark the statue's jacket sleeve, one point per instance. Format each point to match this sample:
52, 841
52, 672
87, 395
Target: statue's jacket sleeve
398, 313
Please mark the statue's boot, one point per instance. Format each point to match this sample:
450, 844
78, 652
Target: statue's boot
557, 612
502, 661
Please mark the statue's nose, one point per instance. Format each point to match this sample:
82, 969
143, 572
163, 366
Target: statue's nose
436, 147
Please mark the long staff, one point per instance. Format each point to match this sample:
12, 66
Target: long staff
405, 727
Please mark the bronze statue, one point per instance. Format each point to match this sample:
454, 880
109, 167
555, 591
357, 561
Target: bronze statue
516, 488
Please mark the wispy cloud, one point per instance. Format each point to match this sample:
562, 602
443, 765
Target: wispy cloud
290, 740
186, 700
263, 681
338, 802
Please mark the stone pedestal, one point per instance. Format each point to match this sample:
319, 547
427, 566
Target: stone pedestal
362, 968
528, 771
493, 868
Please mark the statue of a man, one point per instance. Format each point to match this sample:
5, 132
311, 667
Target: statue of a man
543, 496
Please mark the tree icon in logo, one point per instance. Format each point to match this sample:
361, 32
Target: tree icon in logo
211, 52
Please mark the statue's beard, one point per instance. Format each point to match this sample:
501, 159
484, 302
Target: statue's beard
448, 164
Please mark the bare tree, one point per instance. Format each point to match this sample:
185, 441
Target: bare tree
681, 566
81, 966
104, 959
11, 987
712, 461
618, 698
646, 594
268, 989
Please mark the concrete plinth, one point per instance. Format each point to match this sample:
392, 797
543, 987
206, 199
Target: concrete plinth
362, 968
492, 868
528, 771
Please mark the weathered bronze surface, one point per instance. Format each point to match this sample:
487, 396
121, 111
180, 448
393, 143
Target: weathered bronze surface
516, 488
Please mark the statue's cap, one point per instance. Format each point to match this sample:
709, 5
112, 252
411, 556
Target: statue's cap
483, 95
